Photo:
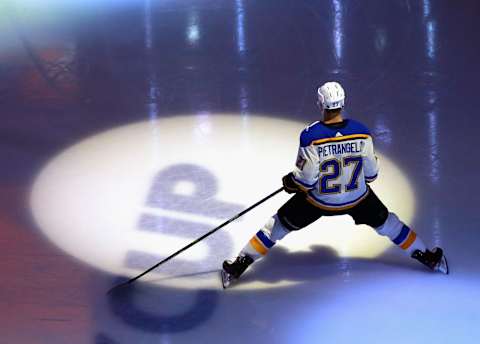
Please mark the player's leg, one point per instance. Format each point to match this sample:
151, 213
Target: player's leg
373, 212
295, 214
257, 247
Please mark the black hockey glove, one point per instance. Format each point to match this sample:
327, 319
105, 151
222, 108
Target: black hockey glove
289, 185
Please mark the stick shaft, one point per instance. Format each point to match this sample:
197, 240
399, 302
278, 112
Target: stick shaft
205, 235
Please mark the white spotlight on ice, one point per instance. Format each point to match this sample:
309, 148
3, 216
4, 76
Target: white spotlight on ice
125, 198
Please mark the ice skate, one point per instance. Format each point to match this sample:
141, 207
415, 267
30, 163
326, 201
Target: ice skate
435, 259
232, 270
227, 279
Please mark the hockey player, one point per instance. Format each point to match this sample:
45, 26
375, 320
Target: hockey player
335, 164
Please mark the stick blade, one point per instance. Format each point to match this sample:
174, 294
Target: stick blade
118, 287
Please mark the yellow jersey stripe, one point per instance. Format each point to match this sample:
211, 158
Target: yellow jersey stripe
340, 138
321, 206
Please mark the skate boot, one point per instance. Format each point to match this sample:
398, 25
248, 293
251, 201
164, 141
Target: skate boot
232, 270
435, 260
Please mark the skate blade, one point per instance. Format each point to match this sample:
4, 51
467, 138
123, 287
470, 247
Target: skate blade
443, 266
226, 279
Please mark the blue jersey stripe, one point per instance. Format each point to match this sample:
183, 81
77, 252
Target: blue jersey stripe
402, 236
337, 204
264, 239
319, 130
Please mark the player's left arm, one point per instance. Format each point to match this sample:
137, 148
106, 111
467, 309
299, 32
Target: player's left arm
305, 174
306, 170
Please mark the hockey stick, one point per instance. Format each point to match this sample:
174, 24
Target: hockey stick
196, 241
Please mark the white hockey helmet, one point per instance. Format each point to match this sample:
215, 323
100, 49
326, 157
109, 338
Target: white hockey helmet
331, 95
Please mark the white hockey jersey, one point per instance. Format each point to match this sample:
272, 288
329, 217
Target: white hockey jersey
334, 163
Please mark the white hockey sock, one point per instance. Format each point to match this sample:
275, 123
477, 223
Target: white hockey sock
265, 239
401, 235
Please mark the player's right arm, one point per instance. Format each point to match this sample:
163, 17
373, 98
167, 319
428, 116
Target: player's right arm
370, 161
